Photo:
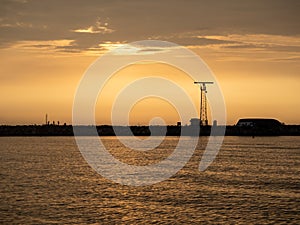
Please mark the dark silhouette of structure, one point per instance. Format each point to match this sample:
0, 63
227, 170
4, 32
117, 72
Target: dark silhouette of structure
195, 122
245, 127
203, 102
258, 123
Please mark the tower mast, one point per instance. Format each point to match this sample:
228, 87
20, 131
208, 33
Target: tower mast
203, 102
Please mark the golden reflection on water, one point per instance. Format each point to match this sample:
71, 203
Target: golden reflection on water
46, 180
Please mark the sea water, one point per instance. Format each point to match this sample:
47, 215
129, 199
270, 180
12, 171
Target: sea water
45, 180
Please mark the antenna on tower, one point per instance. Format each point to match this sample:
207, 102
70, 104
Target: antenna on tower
203, 102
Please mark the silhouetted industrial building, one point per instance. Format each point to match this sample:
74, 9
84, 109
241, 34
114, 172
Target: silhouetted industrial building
195, 122
258, 123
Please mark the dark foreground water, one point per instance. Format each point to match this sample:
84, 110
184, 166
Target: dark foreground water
45, 180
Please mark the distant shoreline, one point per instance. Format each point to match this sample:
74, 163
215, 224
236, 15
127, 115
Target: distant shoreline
107, 130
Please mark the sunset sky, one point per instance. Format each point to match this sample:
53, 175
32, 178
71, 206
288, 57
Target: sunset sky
253, 48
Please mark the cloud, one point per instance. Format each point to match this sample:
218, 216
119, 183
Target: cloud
215, 25
98, 28
48, 46
266, 47
248, 47
108, 45
17, 24
257, 40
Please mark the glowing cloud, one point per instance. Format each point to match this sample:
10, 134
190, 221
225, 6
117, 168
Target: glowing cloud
49, 45
98, 28
258, 40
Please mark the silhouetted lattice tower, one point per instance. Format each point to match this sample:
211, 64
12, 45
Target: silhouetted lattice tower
203, 102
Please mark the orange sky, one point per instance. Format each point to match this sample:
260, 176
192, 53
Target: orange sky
43, 56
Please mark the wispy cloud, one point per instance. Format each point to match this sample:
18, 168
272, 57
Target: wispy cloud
108, 45
249, 47
101, 48
51, 45
254, 40
98, 28
17, 24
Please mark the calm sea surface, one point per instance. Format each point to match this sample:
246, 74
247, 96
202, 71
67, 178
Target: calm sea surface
45, 180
